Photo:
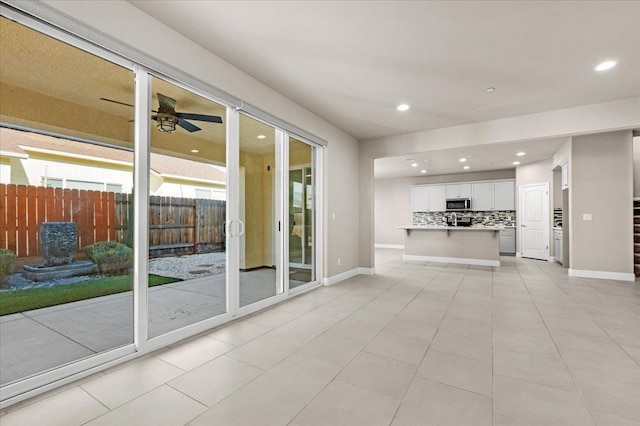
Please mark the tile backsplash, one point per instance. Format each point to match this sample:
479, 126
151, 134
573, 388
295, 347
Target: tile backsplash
487, 218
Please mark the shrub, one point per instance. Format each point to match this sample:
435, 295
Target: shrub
111, 257
7, 264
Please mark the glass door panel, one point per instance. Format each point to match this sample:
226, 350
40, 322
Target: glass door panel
66, 173
187, 209
301, 214
258, 246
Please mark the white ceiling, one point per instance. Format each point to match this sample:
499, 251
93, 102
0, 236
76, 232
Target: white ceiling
353, 62
479, 159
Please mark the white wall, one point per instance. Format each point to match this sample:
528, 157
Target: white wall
393, 200
636, 166
123, 21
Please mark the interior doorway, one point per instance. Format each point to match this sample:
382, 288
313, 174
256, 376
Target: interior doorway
534, 221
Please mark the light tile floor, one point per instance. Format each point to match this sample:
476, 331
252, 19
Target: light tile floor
417, 344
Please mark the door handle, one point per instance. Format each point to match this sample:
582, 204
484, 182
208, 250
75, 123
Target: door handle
228, 228
240, 228
524, 226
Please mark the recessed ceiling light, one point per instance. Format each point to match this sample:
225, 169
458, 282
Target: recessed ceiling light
195, 151
490, 89
606, 65
261, 136
462, 160
402, 107
466, 167
515, 163
423, 171
414, 164
520, 154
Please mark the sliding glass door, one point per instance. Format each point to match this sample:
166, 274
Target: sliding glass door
302, 202
187, 201
259, 271
178, 213
66, 167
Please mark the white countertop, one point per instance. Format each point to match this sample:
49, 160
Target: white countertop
450, 228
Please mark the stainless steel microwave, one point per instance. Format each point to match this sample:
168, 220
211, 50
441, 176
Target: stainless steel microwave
458, 204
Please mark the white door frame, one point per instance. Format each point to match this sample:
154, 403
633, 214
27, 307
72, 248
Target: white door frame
521, 216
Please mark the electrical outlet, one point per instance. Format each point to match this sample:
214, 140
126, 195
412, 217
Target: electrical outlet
339, 261
587, 216
333, 215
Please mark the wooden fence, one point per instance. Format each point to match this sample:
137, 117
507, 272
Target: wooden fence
176, 225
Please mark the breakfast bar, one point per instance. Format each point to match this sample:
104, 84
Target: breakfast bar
450, 244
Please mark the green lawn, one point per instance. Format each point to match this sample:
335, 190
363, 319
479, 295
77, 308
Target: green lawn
12, 302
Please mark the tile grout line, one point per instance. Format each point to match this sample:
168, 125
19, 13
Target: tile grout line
361, 350
582, 397
429, 345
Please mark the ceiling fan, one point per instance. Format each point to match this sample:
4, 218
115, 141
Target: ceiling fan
167, 117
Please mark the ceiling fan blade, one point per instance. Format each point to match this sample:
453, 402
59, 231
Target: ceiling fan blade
116, 102
199, 117
167, 104
188, 126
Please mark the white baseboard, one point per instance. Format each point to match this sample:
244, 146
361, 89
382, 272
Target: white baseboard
460, 260
518, 254
603, 275
346, 275
390, 246
367, 271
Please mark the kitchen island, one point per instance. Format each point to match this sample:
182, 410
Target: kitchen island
453, 244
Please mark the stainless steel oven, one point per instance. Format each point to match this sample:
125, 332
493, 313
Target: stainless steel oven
458, 204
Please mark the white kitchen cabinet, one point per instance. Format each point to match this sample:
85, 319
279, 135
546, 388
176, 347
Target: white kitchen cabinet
458, 190
465, 190
508, 241
420, 199
565, 176
437, 198
504, 195
482, 196
557, 245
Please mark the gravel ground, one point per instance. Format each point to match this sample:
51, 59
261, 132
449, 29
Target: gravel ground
190, 266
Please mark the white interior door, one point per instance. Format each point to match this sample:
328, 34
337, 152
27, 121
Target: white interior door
534, 221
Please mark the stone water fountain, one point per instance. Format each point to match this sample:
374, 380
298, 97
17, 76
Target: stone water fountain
58, 244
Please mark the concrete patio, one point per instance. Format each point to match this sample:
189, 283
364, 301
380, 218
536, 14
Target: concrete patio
38, 340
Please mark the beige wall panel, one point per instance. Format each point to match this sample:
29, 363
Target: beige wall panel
602, 185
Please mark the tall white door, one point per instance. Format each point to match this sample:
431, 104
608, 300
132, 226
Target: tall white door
534, 221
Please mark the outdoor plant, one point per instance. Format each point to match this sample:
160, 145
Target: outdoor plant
112, 258
7, 264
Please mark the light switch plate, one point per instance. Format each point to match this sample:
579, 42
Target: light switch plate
587, 216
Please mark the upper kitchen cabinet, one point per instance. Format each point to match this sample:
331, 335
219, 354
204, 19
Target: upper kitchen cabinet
504, 195
428, 198
420, 199
565, 176
458, 190
482, 196
437, 198
493, 196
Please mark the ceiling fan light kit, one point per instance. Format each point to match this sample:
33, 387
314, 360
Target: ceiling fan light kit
166, 122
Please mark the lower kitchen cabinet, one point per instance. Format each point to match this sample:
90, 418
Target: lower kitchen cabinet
508, 241
557, 245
